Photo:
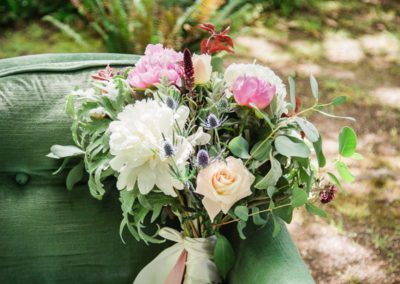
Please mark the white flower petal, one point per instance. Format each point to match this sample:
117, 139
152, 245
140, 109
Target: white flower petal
146, 181
136, 142
199, 138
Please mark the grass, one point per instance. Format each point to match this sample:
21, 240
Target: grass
38, 37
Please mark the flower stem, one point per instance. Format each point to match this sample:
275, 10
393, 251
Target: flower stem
252, 214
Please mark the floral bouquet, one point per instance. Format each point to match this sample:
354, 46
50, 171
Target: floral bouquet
181, 139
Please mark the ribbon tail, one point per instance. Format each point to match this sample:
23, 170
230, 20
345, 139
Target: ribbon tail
157, 271
178, 271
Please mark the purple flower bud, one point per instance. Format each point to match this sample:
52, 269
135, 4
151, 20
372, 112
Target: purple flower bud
202, 158
327, 196
324, 197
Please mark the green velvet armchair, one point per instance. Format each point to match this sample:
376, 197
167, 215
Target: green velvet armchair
51, 235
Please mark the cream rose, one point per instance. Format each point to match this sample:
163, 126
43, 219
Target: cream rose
223, 183
202, 68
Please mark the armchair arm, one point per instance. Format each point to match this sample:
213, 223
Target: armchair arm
263, 259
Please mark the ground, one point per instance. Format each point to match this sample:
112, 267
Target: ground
353, 48
357, 56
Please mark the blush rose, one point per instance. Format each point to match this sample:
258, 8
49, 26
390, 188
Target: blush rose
222, 184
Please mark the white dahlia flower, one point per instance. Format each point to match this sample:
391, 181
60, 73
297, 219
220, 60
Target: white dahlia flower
264, 73
138, 140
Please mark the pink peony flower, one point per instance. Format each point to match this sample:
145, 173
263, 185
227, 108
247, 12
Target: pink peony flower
252, 90
156, 63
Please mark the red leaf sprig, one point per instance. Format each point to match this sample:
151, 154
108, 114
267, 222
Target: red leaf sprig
216, 42
104, 75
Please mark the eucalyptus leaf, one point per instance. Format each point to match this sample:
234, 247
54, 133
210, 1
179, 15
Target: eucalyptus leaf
347, 142
334, 116
339, 100
224, 255
63, 166
336, 181
240, 227
59, 151
299, 197
314, 210
292, 92
344, 172
257, 218
277, 226
357, 156
319, 152
270, 191
242, 212
285, 213
309, 129
239, 147
75, 175
289, 148
314, 87
69, 106
272, 176
261, 150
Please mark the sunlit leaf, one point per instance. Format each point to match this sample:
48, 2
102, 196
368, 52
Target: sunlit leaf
347, 142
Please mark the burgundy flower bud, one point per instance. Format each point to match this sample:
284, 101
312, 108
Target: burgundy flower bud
188, 69
327, 196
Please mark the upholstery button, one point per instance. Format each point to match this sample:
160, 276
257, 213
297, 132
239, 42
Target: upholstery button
22, 178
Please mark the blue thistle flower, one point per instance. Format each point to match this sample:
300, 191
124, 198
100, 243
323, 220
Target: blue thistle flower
168, 149
171, 103
202, 158
213, 122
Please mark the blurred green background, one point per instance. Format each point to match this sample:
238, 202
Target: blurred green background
352, 47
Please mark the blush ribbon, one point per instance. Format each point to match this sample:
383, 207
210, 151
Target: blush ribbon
189, 260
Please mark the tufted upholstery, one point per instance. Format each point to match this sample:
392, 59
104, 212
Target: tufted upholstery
51, 235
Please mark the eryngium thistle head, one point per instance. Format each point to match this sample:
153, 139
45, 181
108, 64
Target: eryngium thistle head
223, 103
170, 102
168, 149
188, 69
202, 158
212, 121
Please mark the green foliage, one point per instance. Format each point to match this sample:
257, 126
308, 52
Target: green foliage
16, 11
344, 172
239, 147
309, 129
272, 176
291, 147
314, 210
75, 175
261, 150
339, 100
224, 255
292, 93
240, 227
347, 142
242, 212
320, 154
299, 197
336, 181
314, 87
